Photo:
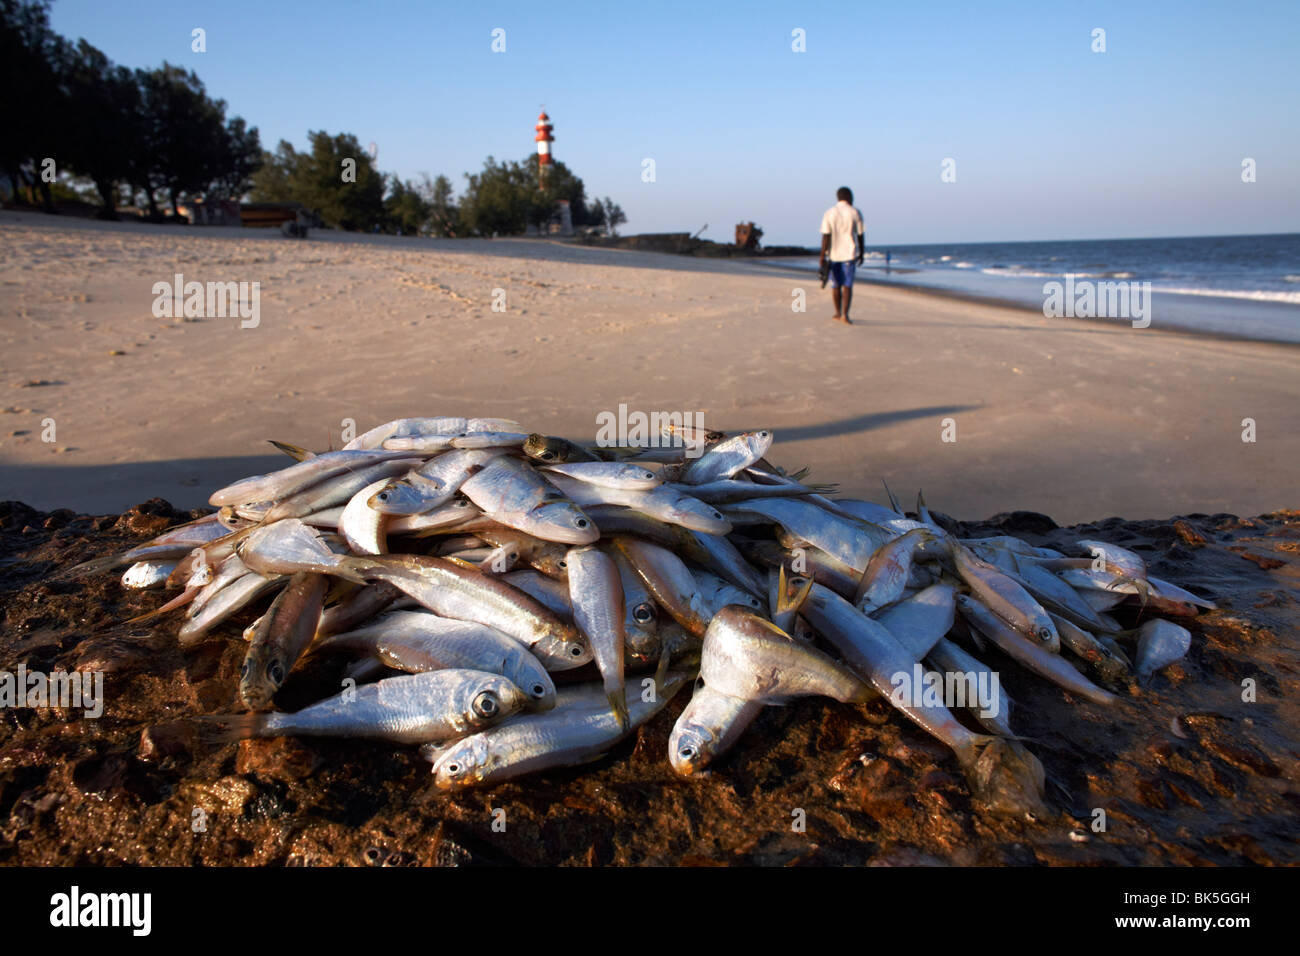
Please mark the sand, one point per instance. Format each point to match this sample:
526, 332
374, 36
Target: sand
1073, 418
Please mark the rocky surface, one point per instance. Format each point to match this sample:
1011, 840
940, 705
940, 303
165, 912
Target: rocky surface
1185, 770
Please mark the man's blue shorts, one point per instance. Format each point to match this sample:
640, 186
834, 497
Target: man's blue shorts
842, 274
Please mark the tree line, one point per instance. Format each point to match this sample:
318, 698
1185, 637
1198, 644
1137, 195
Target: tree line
138, 135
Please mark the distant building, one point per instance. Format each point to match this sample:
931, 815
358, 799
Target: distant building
222, 212
544, 140
561, 221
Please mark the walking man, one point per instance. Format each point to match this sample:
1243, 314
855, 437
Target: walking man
842, 244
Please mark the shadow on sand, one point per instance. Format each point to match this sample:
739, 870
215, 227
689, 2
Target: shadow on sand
865, 423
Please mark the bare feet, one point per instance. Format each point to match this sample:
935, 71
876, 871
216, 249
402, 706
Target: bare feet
844, 319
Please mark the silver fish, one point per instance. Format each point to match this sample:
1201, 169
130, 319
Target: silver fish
417, 641
707, 728
749, 657
575, 732
1159, 644
728, 457
596, 594
408, 709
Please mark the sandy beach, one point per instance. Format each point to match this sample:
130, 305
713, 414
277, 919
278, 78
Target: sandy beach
1073, 418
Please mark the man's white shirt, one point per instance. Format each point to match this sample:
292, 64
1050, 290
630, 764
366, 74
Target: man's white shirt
841, 222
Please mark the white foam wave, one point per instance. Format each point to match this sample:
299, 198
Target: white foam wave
1255, 295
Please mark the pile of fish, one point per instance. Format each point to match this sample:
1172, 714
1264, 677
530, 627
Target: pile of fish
464, 567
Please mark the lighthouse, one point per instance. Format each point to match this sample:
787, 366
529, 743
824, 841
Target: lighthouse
544, 140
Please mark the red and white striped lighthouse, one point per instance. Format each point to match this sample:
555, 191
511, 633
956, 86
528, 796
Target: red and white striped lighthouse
544, 140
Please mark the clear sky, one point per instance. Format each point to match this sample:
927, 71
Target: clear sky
1051, 140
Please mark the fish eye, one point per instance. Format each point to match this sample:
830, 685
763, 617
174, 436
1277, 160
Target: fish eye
382, 496
453, 769
563, 563
243, 671
539, 690
485, 704
581, 522
275, 671
717, 515
687, 752
763, 434
643, 613
576, 650
547, 455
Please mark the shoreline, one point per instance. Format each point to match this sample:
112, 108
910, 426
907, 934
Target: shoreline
1076, 419
773, 262
1011, 303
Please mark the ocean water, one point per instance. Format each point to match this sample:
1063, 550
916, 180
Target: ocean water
1244, 286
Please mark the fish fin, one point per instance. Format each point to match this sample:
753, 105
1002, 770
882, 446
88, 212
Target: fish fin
893, 500
787, 603
922, 511
618, 704
94, 566
180, 600
293, 451
1004, 776
661, 672
468, 565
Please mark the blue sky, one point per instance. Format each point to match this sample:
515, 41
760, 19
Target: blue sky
1051, 140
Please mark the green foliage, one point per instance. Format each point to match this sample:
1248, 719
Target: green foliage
505, 198
346, 195
611, 215
157, 130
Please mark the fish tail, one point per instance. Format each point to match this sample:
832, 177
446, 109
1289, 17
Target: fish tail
94, 566
293, 451
217, 730
180, 600
617, 698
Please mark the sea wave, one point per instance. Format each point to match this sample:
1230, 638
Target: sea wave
1255, 295
1025, 273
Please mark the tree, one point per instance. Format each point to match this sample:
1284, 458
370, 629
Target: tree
185, 137
444, 217
508, 197
240, 158
613, 215
497, 200
271, 179
405, 207
336, 179
31, 56
101, 128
